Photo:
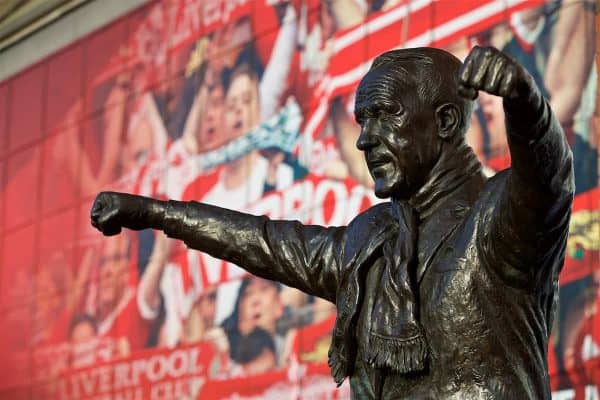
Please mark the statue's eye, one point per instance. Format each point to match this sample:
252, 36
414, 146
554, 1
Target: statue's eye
363, 114
391, 109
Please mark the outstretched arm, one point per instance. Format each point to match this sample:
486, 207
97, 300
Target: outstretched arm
534, 210
304, 257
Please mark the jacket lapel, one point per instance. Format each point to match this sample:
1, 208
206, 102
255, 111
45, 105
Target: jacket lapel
450, 213
378, 232
423, 267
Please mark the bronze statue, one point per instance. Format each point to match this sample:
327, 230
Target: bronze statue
447, 291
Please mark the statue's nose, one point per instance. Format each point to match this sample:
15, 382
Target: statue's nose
367, 137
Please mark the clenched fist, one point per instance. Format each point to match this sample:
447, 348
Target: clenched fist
112, 211
490, 70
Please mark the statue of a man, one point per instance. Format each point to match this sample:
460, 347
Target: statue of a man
447, 291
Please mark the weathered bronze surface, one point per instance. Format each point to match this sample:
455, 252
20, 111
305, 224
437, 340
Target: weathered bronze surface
447, 291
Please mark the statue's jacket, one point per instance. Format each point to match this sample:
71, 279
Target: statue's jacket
490, 252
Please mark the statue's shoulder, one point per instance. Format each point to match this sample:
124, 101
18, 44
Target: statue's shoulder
496, 184
368, 230
372, 220
380, 210
493, 188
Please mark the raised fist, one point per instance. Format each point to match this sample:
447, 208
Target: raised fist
112, 211
490, 70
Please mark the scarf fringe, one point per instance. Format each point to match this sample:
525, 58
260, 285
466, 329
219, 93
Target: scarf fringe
337, 368
402, 356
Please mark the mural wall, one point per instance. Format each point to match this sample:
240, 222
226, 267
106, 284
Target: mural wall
247, 105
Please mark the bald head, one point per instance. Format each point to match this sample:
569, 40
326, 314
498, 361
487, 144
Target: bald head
430, 73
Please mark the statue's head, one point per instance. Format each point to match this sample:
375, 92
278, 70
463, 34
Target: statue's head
410, 111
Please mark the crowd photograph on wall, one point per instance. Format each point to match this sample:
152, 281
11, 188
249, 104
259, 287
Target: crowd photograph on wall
245, 105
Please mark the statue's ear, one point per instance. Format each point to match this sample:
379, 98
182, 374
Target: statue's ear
447, 118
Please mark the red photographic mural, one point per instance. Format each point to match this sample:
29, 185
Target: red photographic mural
246, 105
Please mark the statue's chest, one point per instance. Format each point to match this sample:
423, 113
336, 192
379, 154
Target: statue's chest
455, 307
449, 275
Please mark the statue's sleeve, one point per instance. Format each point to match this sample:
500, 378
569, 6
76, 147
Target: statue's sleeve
306, 257
529, 225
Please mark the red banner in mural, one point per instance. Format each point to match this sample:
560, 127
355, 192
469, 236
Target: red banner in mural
246, 105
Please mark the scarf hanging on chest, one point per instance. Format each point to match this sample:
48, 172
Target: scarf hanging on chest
395, 338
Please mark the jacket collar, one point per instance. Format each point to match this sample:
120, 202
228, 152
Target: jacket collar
443, 202
451, 172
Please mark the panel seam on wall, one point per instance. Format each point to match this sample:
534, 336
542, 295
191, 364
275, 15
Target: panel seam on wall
68, 29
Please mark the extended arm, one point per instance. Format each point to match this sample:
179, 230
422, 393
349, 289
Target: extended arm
541, 167
304, 257
535, 209
530, 220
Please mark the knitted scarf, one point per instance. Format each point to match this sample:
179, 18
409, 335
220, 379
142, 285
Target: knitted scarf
396, 339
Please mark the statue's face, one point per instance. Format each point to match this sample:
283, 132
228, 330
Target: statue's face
398, 135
